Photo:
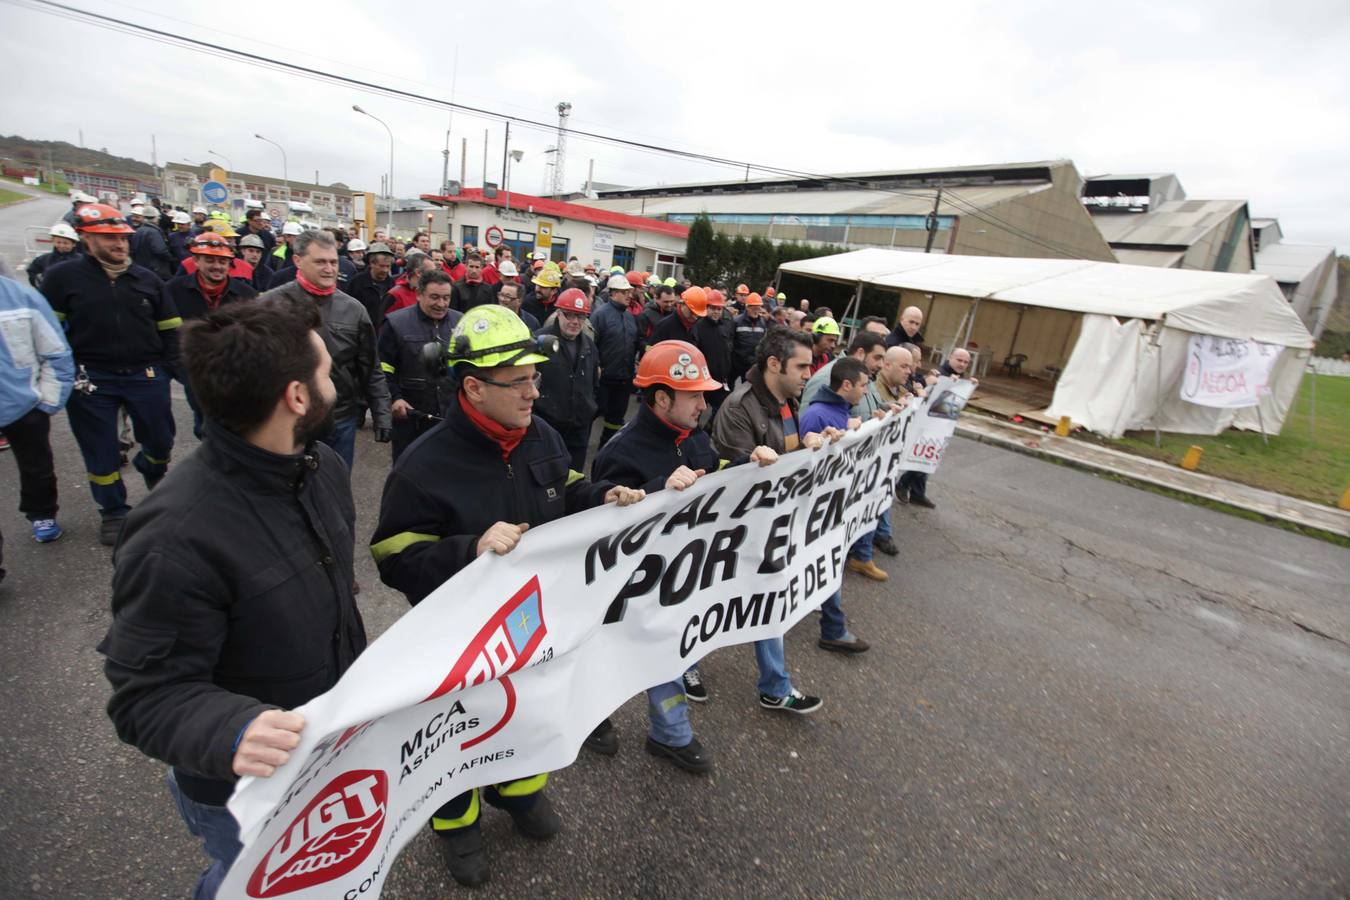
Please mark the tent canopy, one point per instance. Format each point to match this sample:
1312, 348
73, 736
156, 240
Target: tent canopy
1221, 304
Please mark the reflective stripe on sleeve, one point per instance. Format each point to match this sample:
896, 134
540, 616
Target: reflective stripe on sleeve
397, 544
166, 324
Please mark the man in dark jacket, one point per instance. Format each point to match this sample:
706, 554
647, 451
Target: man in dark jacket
473, 290
65, 247
207, 653
663, 447
350, 339
472, 485
679, 325
414, 397
255, 224
712, 340
204, 291
749, 330
616, 338
123, 328
371, 285
907, 329
567, 391
149, 249
251, 252
178, 238
657, 308
763, 411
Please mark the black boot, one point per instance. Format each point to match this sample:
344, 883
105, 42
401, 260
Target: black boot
603, 740
464, 855
540, 822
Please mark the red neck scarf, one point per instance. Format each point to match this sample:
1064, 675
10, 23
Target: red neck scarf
212, 293
680, 433
503, 437
314, 288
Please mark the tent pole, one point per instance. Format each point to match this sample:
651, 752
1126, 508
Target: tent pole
854, 305
1157, 406
1312, 412
1261, 420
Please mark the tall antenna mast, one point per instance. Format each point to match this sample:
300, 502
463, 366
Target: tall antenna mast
559, 158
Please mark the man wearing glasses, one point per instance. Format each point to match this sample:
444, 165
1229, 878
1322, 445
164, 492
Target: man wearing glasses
471, 485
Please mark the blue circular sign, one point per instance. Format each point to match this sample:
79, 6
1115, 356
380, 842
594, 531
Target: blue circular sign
215, 192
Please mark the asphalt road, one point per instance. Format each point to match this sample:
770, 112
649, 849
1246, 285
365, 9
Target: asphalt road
43, 211
1075, 689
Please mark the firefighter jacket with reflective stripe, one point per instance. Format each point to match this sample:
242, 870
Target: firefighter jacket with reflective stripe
404, 334
130, 323
451, 486
567, 392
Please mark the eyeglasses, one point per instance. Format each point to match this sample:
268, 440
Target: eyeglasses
519, 384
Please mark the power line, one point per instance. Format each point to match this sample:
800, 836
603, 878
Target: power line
222, 52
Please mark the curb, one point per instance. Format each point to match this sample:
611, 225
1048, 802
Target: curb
1143, 479
9, 203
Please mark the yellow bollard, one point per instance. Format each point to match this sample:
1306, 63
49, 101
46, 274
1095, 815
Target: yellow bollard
1345, 499
1192, 458
1064, 427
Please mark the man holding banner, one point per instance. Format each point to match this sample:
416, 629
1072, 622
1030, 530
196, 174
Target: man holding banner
475, 484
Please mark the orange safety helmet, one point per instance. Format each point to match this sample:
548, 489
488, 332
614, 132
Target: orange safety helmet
677, 365
716, 298
769, 291
574, 301
208, 243
697, 301
100, 218
742, 290
636, 279
754, 300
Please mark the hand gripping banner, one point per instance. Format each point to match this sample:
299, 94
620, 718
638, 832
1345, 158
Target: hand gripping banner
503, 670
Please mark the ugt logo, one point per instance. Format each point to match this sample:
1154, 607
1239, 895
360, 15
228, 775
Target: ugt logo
330, 837
503, 645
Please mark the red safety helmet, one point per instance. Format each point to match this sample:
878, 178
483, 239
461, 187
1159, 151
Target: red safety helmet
678, 365
697, 301
208, 243
754, 300
636, 279
716, 298
573, 300
742, 290
100, 218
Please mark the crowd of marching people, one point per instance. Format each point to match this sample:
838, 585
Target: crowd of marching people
234, 596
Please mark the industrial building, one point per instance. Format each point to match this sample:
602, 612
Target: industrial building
487, 219
1148, 221
1306, 273
1018, 209
282, 199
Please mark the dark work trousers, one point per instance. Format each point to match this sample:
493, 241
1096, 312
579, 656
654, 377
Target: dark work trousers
463, 811
916, 483
408, 430
32, 448
613, 400
94, 421
576, 436
197, 430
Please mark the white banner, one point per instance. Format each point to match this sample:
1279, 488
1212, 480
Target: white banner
1226, 373
935, 422
504, 670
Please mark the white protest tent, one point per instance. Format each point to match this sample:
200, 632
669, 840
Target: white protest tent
1117, 335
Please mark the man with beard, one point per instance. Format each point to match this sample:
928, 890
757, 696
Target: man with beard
123, 328
414, 398
206, 290
567, 391
207, 654
349, 337
473, 290
656, 309
546, 281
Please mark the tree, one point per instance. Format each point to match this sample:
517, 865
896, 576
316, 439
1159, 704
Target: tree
700, 253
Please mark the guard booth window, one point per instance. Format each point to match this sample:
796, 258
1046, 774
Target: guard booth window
520, 242
624, 256
470, 235
558, 252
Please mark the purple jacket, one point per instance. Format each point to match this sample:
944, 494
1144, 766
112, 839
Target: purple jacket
828, 409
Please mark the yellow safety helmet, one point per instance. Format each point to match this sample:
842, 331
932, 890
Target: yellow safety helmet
550, 276
491, 335
825, 325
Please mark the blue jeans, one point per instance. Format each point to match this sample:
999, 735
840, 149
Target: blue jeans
862, 547
773, 674
343, 440
668, 711
219, 833
833, 625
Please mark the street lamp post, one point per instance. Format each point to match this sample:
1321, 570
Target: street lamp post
229, 165
285, 173
389, 185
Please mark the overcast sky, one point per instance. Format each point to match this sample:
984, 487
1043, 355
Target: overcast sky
1241, 100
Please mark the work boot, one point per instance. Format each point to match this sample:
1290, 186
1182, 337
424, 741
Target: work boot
691, 757
464, 855
603, 740
867, 569
921, 500
110, 530
886, 545
849, 643
540, 822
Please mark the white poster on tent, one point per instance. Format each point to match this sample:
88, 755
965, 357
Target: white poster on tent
1226, 373
934, 423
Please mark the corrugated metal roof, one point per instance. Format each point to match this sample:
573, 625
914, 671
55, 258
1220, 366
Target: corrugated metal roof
1162, 259
1179, 223
873, 202
1291, 263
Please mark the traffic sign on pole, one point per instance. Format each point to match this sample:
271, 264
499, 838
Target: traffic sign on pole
215, 192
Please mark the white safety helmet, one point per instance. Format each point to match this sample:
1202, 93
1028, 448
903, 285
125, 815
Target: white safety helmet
292, 228
181, 218
82, 197
356, 245
62, 230
199, 209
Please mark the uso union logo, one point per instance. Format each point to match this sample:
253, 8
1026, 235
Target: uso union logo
503, 645
330, 837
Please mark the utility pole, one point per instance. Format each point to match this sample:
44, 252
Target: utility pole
506, 148
931, 225
445, 166
463, 161
485, 142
